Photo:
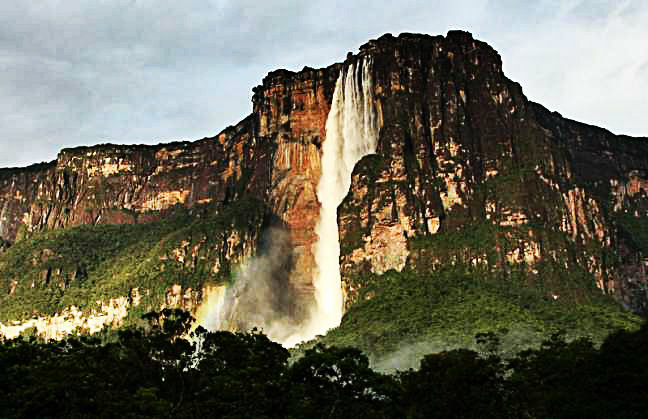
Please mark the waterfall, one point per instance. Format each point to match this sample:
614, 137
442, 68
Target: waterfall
351, 133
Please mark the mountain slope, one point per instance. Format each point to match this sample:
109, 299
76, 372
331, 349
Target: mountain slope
533, 215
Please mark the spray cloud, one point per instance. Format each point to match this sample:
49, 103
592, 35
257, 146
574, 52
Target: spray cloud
262, 295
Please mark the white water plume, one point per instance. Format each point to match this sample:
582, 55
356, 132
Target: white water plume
351, 133
261, 297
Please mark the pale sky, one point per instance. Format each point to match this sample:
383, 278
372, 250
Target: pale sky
141, 71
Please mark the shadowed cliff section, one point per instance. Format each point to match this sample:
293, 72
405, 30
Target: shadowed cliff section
468, 173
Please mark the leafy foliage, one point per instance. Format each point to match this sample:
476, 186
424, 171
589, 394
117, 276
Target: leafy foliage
459, 283
455, 381
83, 264
166, 371
448, 307
637, 229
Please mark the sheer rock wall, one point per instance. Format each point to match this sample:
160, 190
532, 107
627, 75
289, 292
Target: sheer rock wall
459, 145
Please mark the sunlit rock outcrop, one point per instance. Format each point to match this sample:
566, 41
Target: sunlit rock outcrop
460, 154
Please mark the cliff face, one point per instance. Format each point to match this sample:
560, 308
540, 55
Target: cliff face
111, 184
216, 196
462, 155
291, 111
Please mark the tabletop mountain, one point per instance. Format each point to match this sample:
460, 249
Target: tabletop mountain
412, 188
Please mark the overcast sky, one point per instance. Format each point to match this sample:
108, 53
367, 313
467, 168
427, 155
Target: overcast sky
86, 72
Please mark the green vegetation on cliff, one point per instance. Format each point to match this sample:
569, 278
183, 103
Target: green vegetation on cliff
637, 230
447, 308
83, 264
458, 284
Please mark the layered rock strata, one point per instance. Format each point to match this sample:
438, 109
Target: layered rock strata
460, 148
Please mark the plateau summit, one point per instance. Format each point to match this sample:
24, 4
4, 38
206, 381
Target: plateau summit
410, 192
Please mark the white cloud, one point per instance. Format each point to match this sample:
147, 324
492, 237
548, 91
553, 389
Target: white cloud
586, 65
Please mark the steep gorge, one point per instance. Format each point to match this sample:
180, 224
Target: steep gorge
466, 171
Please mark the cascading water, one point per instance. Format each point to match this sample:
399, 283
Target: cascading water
351, 133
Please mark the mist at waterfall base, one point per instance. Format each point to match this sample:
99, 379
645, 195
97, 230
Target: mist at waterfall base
262, 295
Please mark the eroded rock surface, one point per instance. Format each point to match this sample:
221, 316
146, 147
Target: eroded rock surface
460, 149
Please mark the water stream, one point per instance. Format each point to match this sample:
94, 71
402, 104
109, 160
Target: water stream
351, 133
